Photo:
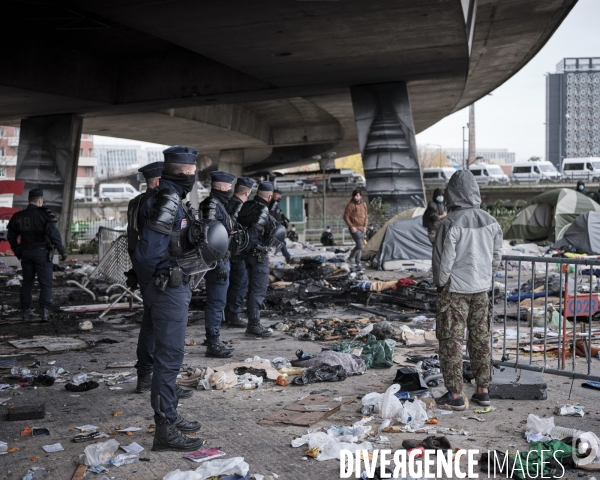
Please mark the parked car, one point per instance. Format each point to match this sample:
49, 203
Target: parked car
586, 168
345, 181
439, 176
294, 184
489, 174
535, 172
116, 191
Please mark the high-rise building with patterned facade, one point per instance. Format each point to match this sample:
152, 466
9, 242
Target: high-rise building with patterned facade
573, 110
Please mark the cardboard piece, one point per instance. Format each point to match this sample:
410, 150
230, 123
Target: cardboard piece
296, 413
52, 344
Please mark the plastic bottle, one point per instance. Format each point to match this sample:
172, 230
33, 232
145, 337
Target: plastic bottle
563, 432
79, 378
248, 386
124, 459
20, 371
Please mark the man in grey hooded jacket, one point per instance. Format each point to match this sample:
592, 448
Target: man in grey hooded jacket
466, 253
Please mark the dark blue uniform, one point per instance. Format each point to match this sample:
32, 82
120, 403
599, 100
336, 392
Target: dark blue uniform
277, 214
39, 236
238, 275
217, 280
168, 309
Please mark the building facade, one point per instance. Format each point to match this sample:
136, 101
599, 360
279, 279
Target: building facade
497, 156
573, 110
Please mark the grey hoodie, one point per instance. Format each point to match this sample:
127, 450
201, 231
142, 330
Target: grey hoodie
468, 245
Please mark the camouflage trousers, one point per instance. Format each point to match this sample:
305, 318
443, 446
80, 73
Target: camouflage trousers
455, 311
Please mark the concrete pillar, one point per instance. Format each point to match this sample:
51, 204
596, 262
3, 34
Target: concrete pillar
231, 161
47, 158
387, 143
472, 148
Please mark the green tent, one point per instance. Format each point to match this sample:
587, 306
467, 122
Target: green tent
549, 215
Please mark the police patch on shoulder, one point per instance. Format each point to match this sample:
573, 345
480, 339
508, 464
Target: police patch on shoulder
183, 223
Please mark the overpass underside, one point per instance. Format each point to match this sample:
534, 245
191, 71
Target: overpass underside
258, 85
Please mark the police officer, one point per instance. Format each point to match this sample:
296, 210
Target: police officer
145, 347
217, 280
254, 215
277, 214
39, 237
166, 292
238, 275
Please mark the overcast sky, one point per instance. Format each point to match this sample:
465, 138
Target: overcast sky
513, 117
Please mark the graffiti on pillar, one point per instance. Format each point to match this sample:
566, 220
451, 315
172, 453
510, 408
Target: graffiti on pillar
388, 146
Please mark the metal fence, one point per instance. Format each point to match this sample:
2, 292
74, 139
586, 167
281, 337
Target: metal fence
86, 229
578, 300
106, 238
342, 234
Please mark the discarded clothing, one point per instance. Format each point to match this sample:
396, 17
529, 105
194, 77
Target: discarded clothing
544, 456
324, 373
410, 380
352, 364
524, 295
376, 354
405, 282
82, 387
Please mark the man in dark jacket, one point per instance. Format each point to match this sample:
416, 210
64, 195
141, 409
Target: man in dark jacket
39, 237
327, 237
292, 234
436, 211
581, 187
277, 214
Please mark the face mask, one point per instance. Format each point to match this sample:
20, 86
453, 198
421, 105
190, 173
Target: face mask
224, 196
580, 187
186, 182
294, 229
439, 199
329, 230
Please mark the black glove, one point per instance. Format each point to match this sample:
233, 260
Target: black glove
63, 256
132, 279
222, 274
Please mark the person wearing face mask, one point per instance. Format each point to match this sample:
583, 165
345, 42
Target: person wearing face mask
292, 235
36, 225
356, 217
436, 211
163, 236
327, 237
238, 275
217, 280
581, 187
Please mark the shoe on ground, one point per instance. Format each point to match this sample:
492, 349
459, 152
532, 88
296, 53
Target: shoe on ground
255, 329
46, 317
29, 315
187, 426
218, 350
233, 320
183, 392
168, 437
482, 399
456, 404
144, 383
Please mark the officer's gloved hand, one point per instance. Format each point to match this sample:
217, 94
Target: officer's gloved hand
63, 256
222, 274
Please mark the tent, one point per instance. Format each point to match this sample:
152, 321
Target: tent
372, 247
405, 240
583, 234
549, 215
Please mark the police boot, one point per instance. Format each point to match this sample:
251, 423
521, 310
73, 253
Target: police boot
218, 350
183, 393
46, 315
29, 315
255, 329
187, 426
168, 437
144, 383
234, 321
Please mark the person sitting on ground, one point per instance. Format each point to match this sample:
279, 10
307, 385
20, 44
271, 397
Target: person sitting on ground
466, 255
327, 237
292, 235
436, 211
581, 187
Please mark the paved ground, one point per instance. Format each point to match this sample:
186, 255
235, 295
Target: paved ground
230, 418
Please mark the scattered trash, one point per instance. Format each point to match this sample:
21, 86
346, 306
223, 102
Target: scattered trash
55, 447
296, 414
213, 468
569, 410
85, 325
100, 453
205, 454
33, 412
132, 448
324, 373
484, 410
124, 459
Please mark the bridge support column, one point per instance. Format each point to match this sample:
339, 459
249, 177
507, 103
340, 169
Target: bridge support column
387, 142
232, 161
47, 158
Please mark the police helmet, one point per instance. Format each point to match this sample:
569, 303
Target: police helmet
216, 243
277, 239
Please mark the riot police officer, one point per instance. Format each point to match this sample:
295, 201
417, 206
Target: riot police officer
277, 214
166, 291
238, 275
217, 280
145, 347
39, 237
254, 215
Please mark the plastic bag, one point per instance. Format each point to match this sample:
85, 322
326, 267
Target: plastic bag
280, 362
414, 414
330, 446
212, 468
324, 373
100, 453
222, 381
540, 425
390, 405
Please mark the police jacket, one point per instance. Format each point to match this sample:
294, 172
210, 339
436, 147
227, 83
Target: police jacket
327, 239
254, 215
37, 228
212, 208
233, 207
277, 213
156, 245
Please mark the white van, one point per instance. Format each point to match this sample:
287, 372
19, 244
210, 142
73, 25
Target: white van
116, 191
535, 172
489, 174
294, 184
586, 168
437, 176
346, 181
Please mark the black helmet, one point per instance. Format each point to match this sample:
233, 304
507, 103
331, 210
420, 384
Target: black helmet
277, 239
212, 238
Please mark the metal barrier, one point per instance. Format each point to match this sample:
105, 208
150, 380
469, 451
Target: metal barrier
106, 238
569, 305
314, 235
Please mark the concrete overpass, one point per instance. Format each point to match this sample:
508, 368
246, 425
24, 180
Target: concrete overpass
256, 85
